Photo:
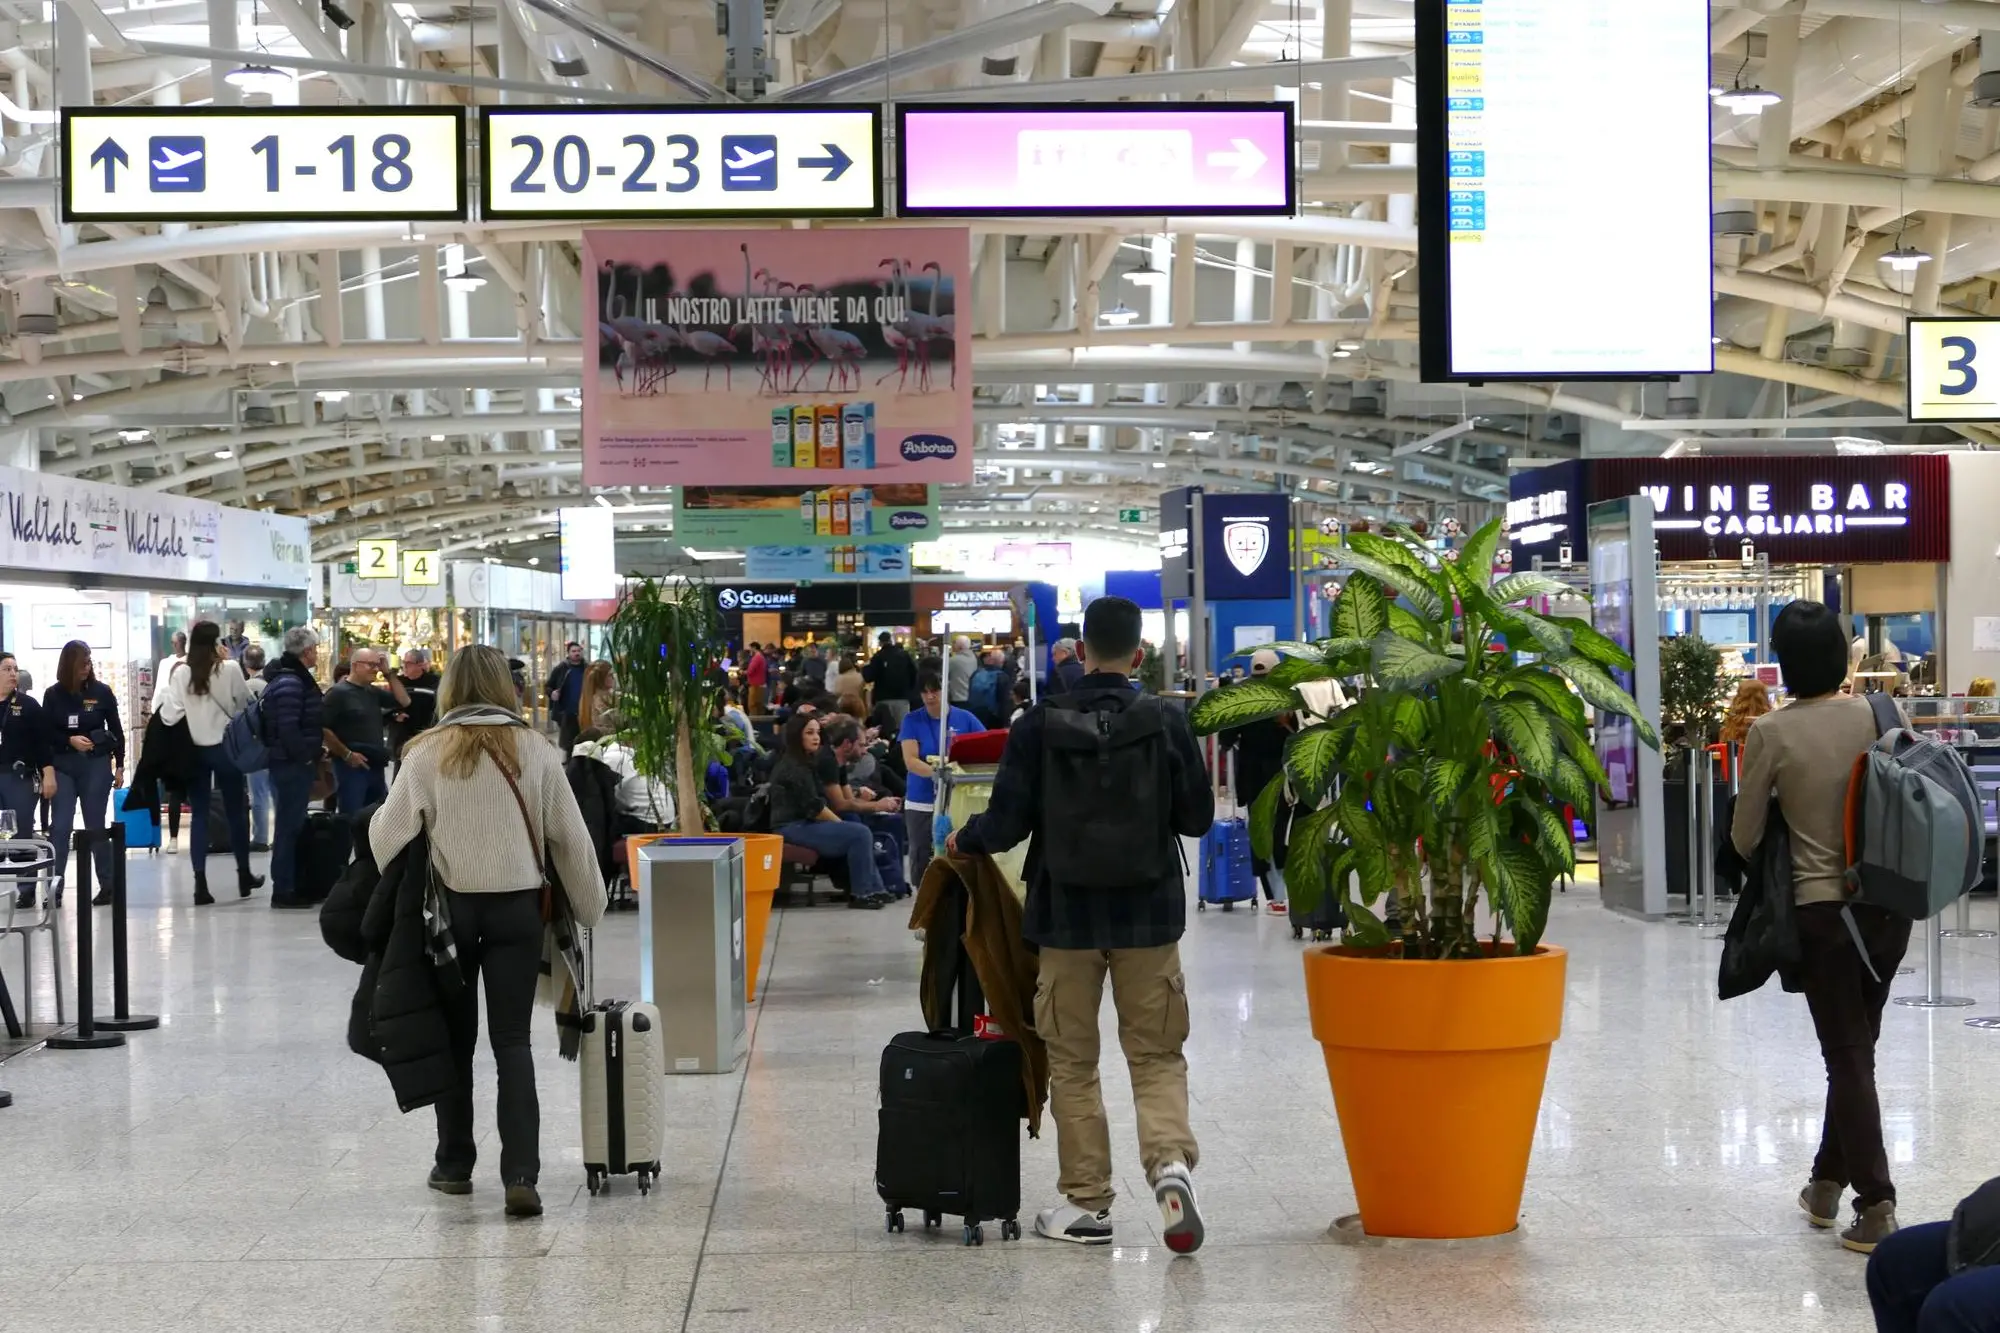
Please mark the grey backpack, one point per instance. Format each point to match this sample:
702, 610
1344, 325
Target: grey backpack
1914, 831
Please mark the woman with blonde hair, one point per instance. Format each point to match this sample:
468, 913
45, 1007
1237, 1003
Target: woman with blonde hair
594, 705
1752, 701
1982, 689
479, 769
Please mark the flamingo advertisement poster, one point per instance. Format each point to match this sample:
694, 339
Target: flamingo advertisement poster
778, 357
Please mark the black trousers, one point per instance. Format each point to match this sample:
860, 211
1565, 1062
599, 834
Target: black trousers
499, 936
1846, 1005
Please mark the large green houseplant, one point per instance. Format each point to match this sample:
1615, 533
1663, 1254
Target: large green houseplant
666, 638
1445, 781
1453, 768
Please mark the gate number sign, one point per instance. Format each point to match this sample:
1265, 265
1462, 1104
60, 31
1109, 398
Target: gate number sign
376, 559
1954, 370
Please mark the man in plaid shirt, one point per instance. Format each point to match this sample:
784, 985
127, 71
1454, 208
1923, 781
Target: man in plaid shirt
1085, 932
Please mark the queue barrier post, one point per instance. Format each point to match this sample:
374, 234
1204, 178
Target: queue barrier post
122, 1018
1934, 996
85, 1037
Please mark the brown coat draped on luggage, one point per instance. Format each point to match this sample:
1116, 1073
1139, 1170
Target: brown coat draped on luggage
1001, 959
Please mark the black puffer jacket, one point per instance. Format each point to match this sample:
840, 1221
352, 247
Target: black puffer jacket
398, 1018
1763, 934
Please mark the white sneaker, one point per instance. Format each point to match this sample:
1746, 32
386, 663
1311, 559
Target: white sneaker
1068, 1222
1180, 1220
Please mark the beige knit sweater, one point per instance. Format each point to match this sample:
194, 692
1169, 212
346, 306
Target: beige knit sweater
478, 844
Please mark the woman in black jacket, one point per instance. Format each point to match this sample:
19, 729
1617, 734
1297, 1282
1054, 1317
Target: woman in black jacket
81, 714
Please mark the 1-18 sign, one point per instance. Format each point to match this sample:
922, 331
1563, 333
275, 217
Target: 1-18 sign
1954, 370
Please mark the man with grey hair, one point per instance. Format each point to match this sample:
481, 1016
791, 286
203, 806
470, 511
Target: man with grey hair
1065, 672
419, 680
292, 714
959, 683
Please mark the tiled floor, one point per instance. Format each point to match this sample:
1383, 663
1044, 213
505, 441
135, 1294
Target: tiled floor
239, 1169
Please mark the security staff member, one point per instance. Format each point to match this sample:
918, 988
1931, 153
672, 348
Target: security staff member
26, 773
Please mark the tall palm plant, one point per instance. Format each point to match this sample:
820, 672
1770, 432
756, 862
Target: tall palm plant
666, 639
1450, 775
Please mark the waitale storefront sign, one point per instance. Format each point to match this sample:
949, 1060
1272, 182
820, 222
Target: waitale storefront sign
1834, 510
81, 527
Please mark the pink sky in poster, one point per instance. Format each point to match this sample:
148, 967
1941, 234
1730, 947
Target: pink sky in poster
1198, 159
761, 356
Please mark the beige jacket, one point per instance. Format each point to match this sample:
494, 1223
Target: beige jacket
478, 843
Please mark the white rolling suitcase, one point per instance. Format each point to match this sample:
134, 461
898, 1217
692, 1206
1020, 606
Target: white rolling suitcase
624, 1060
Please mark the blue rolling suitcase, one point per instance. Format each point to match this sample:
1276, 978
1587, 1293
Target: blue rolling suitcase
142, 830
1226, 877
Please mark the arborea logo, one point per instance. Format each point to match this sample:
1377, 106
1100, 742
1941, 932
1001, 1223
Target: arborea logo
917, 448
726, 599
909, 518
1246, 541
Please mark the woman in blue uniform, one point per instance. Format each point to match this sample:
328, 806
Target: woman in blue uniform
81, 717
25, 772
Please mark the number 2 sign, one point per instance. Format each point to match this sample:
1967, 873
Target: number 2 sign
1954, 370
376, 559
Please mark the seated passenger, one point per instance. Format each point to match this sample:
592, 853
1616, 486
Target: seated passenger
1913, 1290
800, 814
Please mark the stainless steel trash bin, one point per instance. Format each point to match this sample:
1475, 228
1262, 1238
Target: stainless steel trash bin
691, 955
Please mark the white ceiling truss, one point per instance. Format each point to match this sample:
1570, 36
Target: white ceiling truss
328, 371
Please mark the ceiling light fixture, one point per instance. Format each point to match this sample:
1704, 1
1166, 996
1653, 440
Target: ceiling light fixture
1749, 101
255, 78
225, 454
1145, 275
1120, 314
1349, 345
333, 395
437, 439
158, 314
133, 434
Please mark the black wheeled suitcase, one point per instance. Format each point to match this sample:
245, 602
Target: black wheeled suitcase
325, 846
952, 1104
950, 1138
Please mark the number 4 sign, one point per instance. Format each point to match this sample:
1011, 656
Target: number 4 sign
420, 568
376, 559
1954, 370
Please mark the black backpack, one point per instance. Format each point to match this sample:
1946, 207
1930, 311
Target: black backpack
1106, 793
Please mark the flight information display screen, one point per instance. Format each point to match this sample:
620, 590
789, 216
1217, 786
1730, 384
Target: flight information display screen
1564, 201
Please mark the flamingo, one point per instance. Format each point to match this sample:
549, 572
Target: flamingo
944, 329
627, 360
896, 339
843, 351
920, 328
709, 346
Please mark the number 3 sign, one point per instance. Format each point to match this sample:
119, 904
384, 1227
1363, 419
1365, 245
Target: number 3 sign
1954, 370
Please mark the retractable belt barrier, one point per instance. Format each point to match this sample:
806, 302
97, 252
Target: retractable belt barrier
93, 1033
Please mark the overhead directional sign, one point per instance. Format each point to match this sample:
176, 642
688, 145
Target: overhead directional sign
1221, 159
283, 164
680, 161
1954, 370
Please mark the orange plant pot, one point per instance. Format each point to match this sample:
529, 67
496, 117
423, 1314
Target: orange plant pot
1437, 1071
763, 866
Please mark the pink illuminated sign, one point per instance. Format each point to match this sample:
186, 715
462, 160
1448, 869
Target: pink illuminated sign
1221, 160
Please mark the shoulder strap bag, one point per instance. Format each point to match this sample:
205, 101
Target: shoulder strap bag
548, 888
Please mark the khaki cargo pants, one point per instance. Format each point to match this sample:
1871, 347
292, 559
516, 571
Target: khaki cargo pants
1151, 999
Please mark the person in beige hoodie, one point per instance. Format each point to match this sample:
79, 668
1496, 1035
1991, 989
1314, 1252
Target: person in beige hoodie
492, 796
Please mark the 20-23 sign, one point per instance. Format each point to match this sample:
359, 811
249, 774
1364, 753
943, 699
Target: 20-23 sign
1954, 370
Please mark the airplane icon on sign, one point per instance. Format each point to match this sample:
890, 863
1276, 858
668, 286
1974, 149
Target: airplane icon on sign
178, 162
750, 162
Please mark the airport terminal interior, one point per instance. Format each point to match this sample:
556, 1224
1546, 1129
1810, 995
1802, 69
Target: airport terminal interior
1470, 466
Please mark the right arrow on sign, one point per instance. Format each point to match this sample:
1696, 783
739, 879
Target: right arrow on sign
111, 157
1246, 159
835, 162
